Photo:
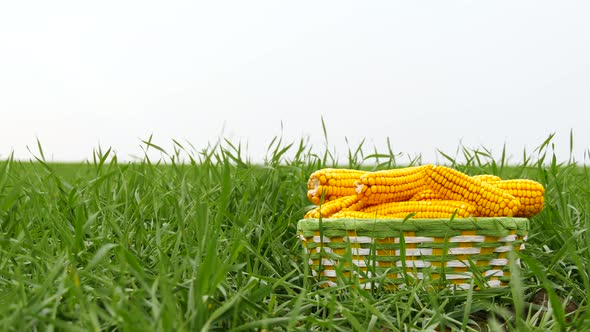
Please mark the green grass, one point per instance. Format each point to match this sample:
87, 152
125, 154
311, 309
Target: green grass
211, 244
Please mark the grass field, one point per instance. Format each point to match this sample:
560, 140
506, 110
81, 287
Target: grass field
210, 244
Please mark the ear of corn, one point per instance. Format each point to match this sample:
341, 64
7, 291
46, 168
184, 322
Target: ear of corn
391, 185
529, 193
487, 199
421, 209
333, 183
329, 208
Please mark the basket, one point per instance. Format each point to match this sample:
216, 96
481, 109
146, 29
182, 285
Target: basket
459, 253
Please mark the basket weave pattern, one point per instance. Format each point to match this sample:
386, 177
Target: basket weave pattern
394, 251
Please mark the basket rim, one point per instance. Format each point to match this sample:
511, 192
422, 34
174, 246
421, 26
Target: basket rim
400, 224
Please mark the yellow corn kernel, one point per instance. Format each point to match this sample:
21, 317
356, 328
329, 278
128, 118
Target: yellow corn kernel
333, 183
391, 185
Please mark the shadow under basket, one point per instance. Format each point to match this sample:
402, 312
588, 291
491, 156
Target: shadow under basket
396, 252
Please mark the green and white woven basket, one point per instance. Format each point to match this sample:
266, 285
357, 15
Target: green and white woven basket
394, 252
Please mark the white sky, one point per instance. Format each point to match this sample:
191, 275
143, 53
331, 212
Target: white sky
426, 74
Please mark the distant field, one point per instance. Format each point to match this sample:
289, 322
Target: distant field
211, 244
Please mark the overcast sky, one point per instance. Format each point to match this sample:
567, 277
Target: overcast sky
426, 74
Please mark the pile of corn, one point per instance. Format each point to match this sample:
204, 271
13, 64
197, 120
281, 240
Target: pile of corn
426, 191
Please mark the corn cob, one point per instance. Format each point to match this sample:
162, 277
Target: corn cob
529, 193
488, 200
329, 208
332, 183
422, 209
391, 185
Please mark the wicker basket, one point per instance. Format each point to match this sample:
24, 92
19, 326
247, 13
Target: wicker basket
394, 252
